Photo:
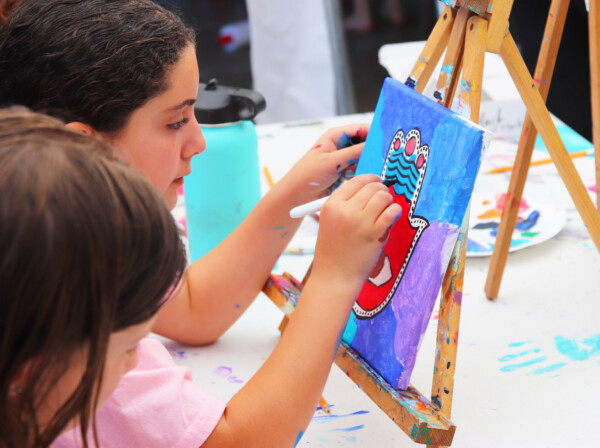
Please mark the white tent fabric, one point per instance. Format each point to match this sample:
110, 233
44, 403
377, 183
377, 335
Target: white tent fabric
291, 60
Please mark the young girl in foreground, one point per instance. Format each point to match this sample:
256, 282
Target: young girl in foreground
89, 253
126, 71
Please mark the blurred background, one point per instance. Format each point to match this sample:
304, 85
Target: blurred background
279, 35
363, 33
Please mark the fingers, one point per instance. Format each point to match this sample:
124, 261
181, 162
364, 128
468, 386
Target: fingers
378, 203
354, 185
387, 219
372, 197
359, 130
348, 156
342, 137
367, 194
389, 215
378, 207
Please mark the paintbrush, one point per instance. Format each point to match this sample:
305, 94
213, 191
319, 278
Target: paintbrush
268, 177
573, 155
312, 207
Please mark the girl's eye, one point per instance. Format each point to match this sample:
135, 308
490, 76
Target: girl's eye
179, 124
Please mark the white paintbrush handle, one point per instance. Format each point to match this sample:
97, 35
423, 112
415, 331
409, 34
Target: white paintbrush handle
306, 209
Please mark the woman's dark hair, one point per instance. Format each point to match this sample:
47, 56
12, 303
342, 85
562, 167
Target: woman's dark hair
88, 248
93, 61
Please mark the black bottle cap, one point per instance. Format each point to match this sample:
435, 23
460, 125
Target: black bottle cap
217, 104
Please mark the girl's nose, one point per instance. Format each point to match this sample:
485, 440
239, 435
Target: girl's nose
195, 144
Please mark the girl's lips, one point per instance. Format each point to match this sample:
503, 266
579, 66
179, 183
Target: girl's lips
179, 180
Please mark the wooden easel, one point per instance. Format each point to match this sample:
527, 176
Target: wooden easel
542, 78
468, 30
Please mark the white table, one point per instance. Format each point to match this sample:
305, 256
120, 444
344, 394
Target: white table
528, 364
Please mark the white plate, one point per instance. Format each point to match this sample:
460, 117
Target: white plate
536, 223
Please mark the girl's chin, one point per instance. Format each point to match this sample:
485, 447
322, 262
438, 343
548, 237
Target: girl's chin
171, 197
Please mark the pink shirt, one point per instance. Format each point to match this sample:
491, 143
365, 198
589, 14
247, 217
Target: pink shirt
156, 405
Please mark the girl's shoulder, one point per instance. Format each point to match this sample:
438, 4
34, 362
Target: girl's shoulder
155, 405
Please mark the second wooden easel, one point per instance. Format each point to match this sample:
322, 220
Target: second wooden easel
542, 78
468, 29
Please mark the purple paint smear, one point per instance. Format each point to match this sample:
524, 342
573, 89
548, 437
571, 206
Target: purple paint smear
414, 311
408, 314
227, 374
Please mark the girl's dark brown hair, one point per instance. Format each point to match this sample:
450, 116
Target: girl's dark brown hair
88, 248
93, 61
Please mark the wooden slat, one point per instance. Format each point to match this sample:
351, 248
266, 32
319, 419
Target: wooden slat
594, 23
500, 12
497, 11
547, 130
284, 291
432, 51
469, 94
452, 65
542, 78
410, 410
477, 6
442, 389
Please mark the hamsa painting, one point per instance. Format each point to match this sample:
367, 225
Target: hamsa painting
429, 156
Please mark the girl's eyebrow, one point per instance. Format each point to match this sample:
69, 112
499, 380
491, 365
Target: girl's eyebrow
186, 103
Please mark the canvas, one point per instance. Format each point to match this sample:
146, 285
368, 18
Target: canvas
429, 156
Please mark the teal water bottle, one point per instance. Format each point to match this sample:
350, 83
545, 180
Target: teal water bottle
224, 185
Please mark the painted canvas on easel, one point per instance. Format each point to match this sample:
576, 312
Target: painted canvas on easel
429, 156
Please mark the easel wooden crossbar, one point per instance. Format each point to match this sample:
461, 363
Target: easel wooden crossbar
465, 31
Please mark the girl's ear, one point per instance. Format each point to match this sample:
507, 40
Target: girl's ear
19, 379
81, 127
88, 130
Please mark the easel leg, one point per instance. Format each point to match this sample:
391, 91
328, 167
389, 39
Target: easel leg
469, 95
286, 319
594, 23
542, 77
432, 52
452, 286
448, 324
547, 130
452, 65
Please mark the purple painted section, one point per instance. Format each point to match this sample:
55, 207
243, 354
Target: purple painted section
424, 273
408, 314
